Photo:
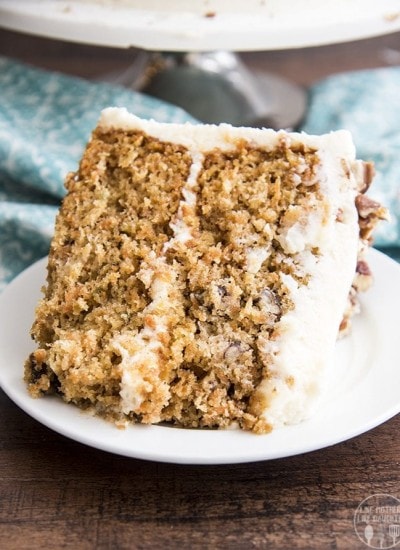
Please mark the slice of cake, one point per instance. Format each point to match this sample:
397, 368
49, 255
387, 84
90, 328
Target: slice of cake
199, 274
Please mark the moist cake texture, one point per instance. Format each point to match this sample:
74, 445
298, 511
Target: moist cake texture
199, 275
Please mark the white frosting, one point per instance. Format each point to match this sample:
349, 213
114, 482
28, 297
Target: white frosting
195, 6
205, 137
134, 386
255, 257
139, 352
308, 332
298, 236
272, 9
182, 232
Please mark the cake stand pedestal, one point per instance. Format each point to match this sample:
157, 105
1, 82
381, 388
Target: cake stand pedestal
217, 87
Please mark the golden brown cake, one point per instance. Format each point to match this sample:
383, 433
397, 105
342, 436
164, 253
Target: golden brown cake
199, 274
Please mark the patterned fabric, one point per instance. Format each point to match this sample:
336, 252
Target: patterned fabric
368, 104
46, 119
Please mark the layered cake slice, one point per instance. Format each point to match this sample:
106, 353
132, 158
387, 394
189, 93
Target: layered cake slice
199, 275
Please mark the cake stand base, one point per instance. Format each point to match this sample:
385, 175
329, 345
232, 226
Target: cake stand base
217, 87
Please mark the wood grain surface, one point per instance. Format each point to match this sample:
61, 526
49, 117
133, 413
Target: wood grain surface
56, 493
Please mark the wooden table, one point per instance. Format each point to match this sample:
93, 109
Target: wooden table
56, 493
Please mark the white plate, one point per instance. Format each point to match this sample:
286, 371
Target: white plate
364, 386
182, 25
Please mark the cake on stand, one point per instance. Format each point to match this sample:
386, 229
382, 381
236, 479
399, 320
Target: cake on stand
187, 46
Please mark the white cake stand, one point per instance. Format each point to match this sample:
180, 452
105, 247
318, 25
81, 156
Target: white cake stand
187, 45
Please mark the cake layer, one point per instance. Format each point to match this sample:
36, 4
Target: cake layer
199, 274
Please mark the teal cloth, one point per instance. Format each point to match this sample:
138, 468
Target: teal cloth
368, 104
46, 119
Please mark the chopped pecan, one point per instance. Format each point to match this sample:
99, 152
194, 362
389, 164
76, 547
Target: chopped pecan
270, 302
366, 206
222, 290
235, 350
339, 215
362, 282
368, 175
369, 213
363, 268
